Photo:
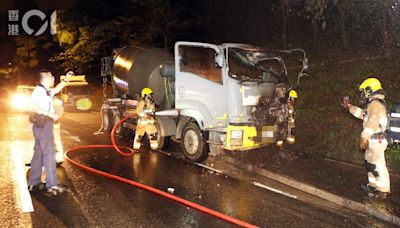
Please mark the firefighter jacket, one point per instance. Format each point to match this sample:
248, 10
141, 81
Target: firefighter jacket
145, 110
374, 117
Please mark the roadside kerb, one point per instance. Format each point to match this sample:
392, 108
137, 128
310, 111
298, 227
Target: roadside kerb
339, 200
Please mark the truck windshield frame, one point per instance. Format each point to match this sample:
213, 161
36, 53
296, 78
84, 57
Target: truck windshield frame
200, 61
255, 66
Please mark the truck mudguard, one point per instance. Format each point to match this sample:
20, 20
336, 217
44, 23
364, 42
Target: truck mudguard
167, 126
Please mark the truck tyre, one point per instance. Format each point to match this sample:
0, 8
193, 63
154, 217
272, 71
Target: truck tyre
193, 143
107, 120
163, 141
120, 130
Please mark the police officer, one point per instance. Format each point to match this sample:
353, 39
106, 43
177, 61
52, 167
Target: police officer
145, 109
43, 125
372, 139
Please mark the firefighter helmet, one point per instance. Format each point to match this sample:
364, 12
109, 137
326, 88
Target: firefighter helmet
293, 94
146, 91
370, 86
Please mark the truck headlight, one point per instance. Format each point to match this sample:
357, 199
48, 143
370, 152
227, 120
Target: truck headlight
236, 137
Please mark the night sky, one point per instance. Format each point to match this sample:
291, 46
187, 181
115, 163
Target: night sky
345, 28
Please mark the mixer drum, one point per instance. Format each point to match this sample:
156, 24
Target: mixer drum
136, 68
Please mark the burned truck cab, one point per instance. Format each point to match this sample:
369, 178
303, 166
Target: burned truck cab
258, 87
236, 93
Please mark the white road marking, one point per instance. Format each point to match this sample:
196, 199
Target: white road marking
274, 190
65, 132
73, 137
22, 194
76, 138
208, 167
163, 152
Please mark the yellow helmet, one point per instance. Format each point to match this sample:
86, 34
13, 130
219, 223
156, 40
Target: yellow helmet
293, 94
369, 86
146, 91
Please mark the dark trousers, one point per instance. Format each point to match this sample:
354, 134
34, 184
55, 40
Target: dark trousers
44, 156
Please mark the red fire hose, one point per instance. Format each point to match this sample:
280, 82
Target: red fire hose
142, 186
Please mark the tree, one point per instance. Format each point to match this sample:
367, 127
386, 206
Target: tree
85, 37
26, 52
386, 20
342, 8
31, 54
284, 13
315, 13
83, 45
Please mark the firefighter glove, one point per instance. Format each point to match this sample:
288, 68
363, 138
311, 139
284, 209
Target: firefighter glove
345, 103
363, 143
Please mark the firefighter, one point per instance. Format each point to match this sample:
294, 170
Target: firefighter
373, 140
146, 122
291, 116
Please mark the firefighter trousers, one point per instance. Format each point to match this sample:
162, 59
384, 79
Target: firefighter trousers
151, 131
378, 175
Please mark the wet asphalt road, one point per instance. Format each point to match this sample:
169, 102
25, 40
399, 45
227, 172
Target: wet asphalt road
94, 201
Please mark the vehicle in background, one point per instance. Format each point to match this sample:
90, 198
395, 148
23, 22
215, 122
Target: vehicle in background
76, 93
20, 100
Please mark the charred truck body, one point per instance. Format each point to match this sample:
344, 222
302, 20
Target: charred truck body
209, 97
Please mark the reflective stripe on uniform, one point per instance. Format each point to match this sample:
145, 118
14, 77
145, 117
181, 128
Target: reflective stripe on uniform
377, 140
290, 139
136, 145
395, 129
137, 140
358, 113
368, 131
146, 121
154, 145
397, 115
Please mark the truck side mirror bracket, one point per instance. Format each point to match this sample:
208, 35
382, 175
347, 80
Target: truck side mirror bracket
305, 64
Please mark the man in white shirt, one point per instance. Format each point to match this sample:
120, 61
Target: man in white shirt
44, 151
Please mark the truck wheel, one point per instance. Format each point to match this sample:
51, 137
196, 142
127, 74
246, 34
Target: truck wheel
107, 120
193, 143
120, 130
163, 141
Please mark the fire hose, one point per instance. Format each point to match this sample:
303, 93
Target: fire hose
130, 152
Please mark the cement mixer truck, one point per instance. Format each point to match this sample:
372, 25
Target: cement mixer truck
209, 97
